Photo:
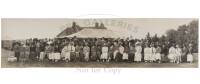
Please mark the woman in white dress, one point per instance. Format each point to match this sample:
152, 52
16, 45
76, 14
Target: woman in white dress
138, 55
157, 54
152, 53
147, 53
171, 55
104, 55
86, 51
178, 54
125, 54
65, 53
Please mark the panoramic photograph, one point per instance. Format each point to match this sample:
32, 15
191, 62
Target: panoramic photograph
99, 42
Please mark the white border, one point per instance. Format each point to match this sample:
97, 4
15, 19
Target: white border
122, 8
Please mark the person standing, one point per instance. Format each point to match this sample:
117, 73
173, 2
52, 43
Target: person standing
147, 53
184, 53
189, 55
93, 53
22, 53
153, 53
32, 52
132, 53
77, 51
57, 55
86, 51
27, 52
125, 54
164, 52
157, 54
65, 53
104, 55
138, 55
172, 53
37, 50
178, 54
116, 51
16, 49
72, 52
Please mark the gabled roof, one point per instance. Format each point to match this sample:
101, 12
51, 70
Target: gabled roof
94, 33
75, 28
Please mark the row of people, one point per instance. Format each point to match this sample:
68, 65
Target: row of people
105, 53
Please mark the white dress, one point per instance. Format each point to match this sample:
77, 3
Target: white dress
178, 53
57, 56
104, 54
86, 51
138, 55
66, 52
158, 55
147, 53
153, 54
189, 57
42, 55
172, 53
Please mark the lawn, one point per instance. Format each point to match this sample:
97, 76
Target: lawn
5, 64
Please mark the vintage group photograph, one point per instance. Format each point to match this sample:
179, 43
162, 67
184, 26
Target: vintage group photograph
99, 42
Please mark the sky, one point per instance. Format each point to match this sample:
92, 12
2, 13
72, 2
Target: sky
18, 28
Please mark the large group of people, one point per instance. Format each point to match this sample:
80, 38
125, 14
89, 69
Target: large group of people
101, 50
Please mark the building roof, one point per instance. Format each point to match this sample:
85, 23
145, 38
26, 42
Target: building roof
94, 33
75, 28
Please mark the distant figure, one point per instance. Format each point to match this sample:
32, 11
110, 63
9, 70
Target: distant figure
125, 54
157, 54
86, 52
138, 55
65, 53
153, 53
16, 49
22, 53
104, 55
189, 55
178, 54
172, 53
147, 53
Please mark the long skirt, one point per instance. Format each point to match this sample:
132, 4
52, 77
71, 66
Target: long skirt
189, 58
57, 56
104, 56
147, 57
125, 56
86, 56
171, 56
157, 56
32, 55
93, 56
138, 57
131, 57
115, 54
164, 58
118, 57
51, 56
65, 55
42, 55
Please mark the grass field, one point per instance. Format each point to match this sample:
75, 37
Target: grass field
5, 64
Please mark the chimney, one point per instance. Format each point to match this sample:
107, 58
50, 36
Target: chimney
73, 24
102, 25
96, 25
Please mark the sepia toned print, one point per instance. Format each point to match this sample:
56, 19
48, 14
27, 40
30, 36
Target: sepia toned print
111, 42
